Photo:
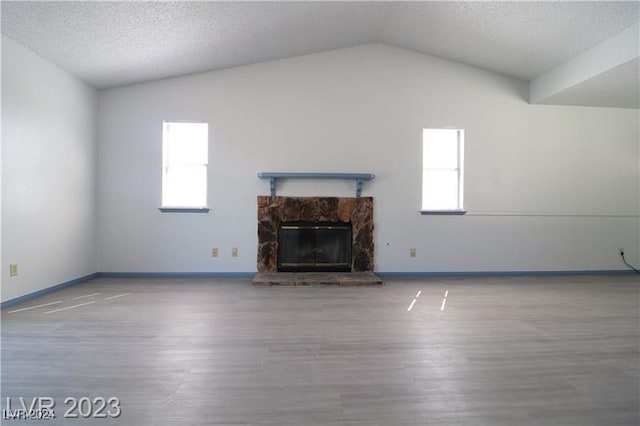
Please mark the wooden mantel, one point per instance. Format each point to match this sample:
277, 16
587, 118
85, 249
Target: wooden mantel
274, 176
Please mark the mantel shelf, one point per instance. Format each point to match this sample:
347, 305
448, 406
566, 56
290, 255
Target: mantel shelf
274, 176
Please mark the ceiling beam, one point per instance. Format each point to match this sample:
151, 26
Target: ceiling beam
618, 50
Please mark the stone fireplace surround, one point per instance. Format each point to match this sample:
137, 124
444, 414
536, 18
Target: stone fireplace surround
274, 210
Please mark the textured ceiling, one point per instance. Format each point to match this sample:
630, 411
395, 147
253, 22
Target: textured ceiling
521, 39
109, 44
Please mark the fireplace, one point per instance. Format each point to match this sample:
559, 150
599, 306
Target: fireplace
314, 247
342, 242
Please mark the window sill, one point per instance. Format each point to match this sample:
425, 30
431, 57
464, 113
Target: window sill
184, 209
443, 212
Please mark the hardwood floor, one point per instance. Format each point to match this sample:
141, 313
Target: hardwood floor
494, 351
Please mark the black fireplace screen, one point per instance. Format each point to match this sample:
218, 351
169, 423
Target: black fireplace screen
309, 247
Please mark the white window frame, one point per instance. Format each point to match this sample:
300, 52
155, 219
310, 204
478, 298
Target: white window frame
167, 164
456, 209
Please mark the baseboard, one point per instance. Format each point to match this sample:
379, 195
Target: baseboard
44, 291
388, 274
502, 273
176, 274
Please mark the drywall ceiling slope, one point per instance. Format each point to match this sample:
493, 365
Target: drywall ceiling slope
110, 44
520, 39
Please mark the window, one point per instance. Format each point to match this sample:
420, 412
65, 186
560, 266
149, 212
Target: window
442, 167
185, 148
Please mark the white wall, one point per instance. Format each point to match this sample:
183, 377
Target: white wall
49, 162
547, 187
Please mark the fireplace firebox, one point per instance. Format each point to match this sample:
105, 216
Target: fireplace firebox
314, 247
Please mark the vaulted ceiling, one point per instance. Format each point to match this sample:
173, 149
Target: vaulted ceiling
575, 53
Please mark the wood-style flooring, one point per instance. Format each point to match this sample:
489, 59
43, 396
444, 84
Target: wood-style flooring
455, 351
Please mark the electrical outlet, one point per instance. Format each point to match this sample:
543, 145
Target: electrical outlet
234, 252
214, 252
412, 252
621, 251
13, 269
